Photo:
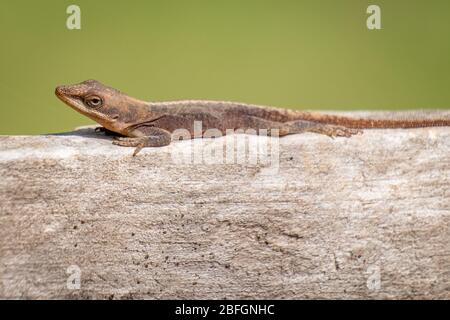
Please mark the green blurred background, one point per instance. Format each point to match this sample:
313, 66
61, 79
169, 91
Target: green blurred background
312, 54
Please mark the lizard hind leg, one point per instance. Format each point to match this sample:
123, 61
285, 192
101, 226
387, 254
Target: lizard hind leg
301, 126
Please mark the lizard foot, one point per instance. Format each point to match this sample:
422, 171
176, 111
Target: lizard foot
139, 143
127, 142
338, 131
300, 126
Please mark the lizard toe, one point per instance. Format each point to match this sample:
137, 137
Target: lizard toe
125, 143
138, 149
124, 139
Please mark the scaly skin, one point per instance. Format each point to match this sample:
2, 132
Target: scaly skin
150, 124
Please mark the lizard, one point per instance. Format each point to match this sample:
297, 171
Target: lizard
142, 124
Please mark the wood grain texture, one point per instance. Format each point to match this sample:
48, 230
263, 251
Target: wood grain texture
336, 216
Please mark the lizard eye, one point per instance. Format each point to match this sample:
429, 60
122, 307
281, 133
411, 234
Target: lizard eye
93, 101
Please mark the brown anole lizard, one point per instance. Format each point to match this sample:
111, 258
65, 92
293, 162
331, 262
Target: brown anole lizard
150, 124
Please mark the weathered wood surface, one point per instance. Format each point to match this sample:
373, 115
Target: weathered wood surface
365, 217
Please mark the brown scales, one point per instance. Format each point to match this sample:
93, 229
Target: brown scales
361, 123
151, 124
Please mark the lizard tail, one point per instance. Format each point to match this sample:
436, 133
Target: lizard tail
364, 123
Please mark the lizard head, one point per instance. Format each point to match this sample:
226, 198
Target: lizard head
107, 106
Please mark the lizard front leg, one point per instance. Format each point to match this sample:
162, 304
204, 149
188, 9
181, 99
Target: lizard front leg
300, 126
154, 137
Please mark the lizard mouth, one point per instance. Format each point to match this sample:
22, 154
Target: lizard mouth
62, 93
59, 91
76, 102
